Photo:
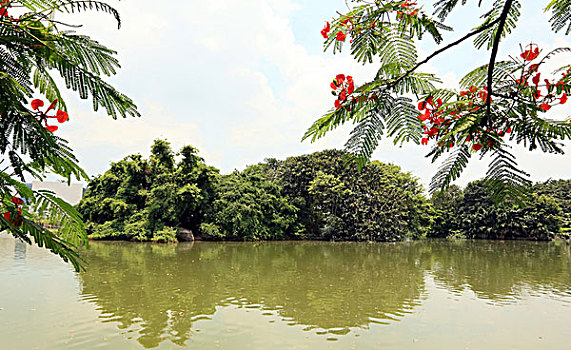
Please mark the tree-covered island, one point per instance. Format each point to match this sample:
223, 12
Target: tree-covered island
170, 195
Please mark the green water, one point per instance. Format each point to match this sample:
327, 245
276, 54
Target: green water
289, 295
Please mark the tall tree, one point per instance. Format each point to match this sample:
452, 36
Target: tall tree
35, 46
499, 104
143, 200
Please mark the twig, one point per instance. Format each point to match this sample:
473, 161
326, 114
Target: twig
437, 52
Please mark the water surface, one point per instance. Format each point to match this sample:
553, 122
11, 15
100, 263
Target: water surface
289, 295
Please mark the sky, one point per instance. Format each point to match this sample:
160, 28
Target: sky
242, 80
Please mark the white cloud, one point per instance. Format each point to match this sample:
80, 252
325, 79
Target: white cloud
232, 78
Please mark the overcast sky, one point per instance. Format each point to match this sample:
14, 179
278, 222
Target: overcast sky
242, 80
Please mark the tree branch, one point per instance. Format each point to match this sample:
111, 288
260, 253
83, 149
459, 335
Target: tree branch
496, 44
437, 52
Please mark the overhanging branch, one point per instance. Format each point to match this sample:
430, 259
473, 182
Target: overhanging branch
439, 51
496, 45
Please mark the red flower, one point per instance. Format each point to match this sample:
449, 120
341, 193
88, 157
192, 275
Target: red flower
531, 53
17, 200
325, 31
42, 117
432, 132
37, 104
61, 116
16, 220
341, 36
425, 115
545, 106
51, 106
343, 86
351, 85
563, 98
476, 147
3, 12
424, 141
536, 78
51, 128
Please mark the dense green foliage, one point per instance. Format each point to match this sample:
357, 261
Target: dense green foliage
248, 205
34, 53
140, 199
471, 213
336, 202
312, 196
560, 190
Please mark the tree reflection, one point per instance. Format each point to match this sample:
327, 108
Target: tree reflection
159, 291
163, 289
502, 270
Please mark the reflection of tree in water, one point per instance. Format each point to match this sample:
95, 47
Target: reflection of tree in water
20, 250
502, 270
164, 288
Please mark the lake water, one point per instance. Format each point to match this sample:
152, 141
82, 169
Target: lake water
289, 295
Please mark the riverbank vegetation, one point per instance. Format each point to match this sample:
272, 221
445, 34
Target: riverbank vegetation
315, 196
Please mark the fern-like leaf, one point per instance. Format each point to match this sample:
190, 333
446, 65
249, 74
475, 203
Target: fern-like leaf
504, 179
488, 35
451, 169
560, 15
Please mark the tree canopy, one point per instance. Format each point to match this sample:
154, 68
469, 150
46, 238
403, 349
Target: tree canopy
306, 197
472, 213
499, 104
312, 196
145, 200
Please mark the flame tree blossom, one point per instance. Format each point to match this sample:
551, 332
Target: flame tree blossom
510, 100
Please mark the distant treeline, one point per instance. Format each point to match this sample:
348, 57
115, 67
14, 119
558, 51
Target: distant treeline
315, 196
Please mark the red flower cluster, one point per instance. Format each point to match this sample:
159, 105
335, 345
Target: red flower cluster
408, 10
342, 88
431, 115
554, 93
342, 34
439, 118
14, 216
531, 53
61, 116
